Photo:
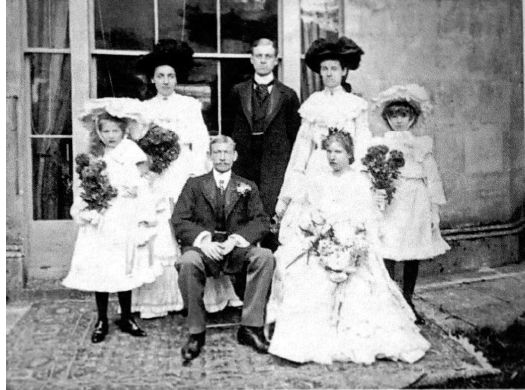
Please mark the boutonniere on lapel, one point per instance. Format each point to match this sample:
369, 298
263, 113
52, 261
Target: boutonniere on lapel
243, 189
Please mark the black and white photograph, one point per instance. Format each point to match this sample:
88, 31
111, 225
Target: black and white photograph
265, 194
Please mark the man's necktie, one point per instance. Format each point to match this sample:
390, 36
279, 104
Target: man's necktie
221, 186
262, 91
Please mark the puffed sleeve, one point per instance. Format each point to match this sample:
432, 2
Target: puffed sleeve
200, 140
433, 179
301, 153
130, 152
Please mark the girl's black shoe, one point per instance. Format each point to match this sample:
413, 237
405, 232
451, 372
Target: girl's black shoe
419, 319
100, 332
128, 325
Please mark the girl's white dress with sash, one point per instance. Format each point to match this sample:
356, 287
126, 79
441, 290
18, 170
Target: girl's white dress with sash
114, 254
411, 221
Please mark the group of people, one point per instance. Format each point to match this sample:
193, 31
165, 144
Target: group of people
170, 241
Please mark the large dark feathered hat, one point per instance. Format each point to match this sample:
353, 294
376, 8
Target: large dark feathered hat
177, 54
344, 49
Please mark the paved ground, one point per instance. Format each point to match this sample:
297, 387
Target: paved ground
48, 344
486, 298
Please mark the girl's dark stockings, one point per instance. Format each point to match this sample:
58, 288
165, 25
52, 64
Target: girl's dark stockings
102, 298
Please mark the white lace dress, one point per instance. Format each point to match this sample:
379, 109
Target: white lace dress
359, 320
321, 111
411, 221
109, 255
182, 115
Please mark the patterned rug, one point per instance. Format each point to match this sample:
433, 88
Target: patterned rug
50, 348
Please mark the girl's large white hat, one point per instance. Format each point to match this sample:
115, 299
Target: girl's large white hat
413, 94
124, 108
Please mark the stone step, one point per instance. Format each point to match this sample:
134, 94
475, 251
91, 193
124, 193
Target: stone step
14, 267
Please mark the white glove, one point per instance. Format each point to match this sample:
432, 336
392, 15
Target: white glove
85, 217
379, 198
281, 206
129, 191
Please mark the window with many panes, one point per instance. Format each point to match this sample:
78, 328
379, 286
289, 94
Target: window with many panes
219, 31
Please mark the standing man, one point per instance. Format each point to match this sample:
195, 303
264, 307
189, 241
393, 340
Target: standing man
218, 219
264, 126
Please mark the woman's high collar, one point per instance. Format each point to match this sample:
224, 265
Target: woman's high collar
334, 91
169, 97
399, 135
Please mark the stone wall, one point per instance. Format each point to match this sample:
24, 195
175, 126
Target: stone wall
16, 224
469, 55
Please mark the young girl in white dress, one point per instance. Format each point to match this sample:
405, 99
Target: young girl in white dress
411, 222
168, 64
333, 107
112, 252
360, 319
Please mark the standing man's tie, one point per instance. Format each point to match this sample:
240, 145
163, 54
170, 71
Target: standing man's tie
221, 186
262, 92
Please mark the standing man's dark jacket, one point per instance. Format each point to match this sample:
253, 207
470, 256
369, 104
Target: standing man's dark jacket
264, 142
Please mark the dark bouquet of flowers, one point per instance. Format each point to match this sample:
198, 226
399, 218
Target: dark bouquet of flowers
383, 166
162, 146
97, 192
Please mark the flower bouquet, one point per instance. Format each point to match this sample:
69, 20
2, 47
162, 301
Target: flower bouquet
383, 166
340, 256
162, 146
97, 191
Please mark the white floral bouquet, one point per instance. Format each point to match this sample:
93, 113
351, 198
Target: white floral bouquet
339, 254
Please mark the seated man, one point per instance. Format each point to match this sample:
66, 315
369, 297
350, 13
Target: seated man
218, 218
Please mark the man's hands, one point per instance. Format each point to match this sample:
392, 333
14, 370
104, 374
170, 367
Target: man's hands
212, 249
228, 246
217, 250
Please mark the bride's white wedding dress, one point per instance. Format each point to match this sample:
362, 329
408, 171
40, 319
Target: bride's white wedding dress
359, 320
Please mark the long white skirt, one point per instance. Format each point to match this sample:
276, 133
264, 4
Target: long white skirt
359, 320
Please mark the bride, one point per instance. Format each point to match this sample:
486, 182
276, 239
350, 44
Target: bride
332, 298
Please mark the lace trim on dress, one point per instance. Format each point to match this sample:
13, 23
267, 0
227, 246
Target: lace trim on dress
332, 111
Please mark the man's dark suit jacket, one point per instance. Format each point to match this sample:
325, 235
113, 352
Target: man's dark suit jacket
194, 213
281, 127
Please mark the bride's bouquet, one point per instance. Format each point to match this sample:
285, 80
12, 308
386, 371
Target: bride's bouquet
97, 191
383, 165
340, 254
162, 145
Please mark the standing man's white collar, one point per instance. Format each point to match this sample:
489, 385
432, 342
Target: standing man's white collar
225, 177
264, 79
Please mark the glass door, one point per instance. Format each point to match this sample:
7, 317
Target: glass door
48, 131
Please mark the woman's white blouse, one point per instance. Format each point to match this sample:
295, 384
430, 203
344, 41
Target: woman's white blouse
183, 115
